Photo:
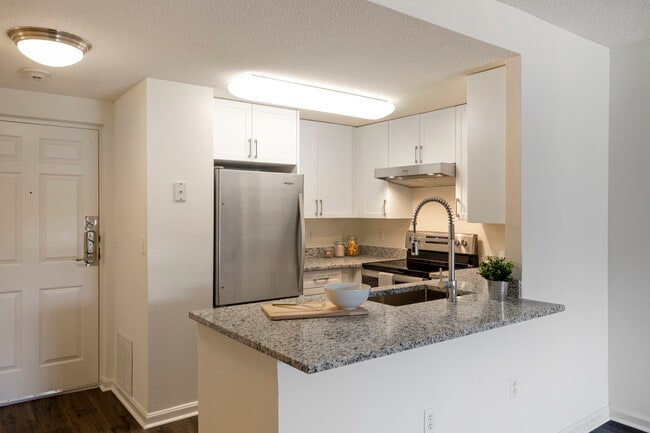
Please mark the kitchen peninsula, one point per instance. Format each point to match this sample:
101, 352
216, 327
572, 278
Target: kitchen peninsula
252, 370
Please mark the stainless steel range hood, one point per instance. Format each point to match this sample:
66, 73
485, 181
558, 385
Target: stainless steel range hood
420, 175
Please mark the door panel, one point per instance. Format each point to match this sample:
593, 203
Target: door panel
61, 211
9, 330
10, 212
48, 300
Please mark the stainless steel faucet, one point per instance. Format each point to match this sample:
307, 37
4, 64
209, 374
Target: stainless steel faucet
450, 284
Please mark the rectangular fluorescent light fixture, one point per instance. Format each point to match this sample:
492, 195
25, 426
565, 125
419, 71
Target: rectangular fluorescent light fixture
280, 92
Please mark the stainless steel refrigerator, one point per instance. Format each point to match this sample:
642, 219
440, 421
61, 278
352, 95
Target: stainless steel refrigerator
259, 230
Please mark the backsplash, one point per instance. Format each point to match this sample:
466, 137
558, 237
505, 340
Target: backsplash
364, 250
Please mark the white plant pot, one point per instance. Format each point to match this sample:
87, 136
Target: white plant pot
497, 290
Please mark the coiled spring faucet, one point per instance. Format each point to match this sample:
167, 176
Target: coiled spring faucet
450, 284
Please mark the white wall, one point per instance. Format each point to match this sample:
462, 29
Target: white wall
129, 274
629, 236
466, 380
564, 166
180, 235
163, 135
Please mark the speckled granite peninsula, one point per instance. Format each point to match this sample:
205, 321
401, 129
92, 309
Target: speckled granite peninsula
315, 345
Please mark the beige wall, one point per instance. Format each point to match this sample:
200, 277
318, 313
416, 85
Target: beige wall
390, 233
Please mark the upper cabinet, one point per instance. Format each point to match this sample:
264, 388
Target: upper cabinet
404, 141
255, 134
376, 198
325, 162
481, 150
438, 136
422, 138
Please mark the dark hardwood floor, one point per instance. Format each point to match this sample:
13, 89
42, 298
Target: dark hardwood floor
91, 411
614, 427
94, 411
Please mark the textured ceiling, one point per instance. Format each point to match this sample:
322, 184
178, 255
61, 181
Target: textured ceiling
352, 45
612, 23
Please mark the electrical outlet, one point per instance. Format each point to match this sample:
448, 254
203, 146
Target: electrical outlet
381, 235
514, 388
429, 420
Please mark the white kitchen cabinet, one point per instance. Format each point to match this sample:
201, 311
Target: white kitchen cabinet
255, 134
376, 198
422, 138
314, 281
325, 162
438, 136
404, 141
481, 150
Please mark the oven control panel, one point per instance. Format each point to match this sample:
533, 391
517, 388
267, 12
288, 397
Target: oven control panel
439, 241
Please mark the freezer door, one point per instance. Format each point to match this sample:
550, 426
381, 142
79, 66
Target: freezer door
259, 236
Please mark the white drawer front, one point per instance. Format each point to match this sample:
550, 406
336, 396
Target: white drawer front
314, 281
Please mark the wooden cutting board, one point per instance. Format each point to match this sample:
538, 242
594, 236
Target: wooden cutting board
308, 310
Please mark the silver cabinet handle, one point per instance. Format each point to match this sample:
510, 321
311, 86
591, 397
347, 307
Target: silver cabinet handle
321, 207
420, 154
457, 207
316, 213
416, 154
91, 240
316, 280
255, 148
250, 148
301, 241
384, 209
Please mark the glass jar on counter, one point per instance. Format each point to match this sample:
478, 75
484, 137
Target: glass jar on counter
339, 249
353, 246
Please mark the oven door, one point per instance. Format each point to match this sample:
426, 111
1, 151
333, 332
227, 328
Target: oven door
377, 279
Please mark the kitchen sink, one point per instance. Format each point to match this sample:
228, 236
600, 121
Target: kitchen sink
412, 297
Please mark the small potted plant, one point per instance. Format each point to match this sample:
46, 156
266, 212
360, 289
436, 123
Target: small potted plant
498, 272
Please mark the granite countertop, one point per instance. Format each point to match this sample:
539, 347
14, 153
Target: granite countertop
314, 345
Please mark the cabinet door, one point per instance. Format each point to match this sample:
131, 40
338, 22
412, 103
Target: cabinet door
438, 136
404, 141
275, 135
232, 130
486, 156
334, 170
308, 167
373, 147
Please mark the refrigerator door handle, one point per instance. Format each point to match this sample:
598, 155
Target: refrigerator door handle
301, 241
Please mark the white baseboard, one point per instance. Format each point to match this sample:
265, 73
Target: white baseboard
630, 419
149, 419
589, 423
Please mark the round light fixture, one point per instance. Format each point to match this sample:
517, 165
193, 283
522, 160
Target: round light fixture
48, 46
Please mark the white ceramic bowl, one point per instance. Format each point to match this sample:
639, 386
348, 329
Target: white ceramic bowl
347, 296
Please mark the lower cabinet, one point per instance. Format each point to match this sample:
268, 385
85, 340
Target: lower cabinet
376, 198
314, 281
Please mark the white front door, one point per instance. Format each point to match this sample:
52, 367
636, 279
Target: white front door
48, 300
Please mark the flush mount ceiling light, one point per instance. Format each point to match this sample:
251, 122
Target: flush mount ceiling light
48, 46
290, 94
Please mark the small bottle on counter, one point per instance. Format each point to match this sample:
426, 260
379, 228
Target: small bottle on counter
353, 246
339, 249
